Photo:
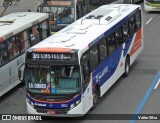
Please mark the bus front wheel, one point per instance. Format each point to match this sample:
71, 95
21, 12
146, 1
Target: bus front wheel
127, 67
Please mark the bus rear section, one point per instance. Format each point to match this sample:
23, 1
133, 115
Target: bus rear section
151, 5
67, 73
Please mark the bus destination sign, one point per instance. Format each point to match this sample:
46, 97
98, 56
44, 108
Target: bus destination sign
53, 56
59, 3
37, 66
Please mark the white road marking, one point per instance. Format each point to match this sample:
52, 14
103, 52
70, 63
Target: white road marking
149, 21
155, 87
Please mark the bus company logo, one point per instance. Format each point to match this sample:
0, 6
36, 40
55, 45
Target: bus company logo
101, 74
50, 105
64, 105
40, 104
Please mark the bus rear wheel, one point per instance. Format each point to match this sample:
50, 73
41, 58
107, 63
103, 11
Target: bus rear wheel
96, 98
127, 67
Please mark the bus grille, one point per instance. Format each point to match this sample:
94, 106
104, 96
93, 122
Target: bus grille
57, 111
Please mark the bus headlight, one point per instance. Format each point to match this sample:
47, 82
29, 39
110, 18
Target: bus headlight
78, 101
73, 105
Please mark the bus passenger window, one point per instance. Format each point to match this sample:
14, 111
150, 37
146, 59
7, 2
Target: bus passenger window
94, 57
45, 29
102, 50
119, 36
111, 43
3, 52
15, 46
125, 31
10, 48
132, 27
24, 41
138, 20
34, 35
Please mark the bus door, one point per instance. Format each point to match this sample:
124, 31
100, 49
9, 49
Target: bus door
86, 84
113, 53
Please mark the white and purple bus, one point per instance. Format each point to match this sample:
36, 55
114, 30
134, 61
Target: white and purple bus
67, 73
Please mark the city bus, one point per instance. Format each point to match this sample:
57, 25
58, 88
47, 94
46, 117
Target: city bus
152, 5
67, 73
97, 3
64, 12
131, 1
18, 32
101, 2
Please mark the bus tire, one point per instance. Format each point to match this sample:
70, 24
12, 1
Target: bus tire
127, 67
96, 97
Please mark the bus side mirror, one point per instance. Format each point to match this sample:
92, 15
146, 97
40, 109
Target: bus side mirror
20, 73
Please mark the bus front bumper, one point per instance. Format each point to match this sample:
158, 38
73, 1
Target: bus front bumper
75, 112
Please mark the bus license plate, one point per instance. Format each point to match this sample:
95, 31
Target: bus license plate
51, 112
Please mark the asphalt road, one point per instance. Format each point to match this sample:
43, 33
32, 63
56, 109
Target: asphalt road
125, 96
23, 5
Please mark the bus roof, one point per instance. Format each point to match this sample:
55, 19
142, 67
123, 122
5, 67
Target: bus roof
89, 29
16, 22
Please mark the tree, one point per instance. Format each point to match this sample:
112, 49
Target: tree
6, 3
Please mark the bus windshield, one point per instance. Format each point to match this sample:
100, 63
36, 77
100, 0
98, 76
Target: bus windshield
60, 14
61, 79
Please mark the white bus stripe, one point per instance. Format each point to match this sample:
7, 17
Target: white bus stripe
149, 21
155, 87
